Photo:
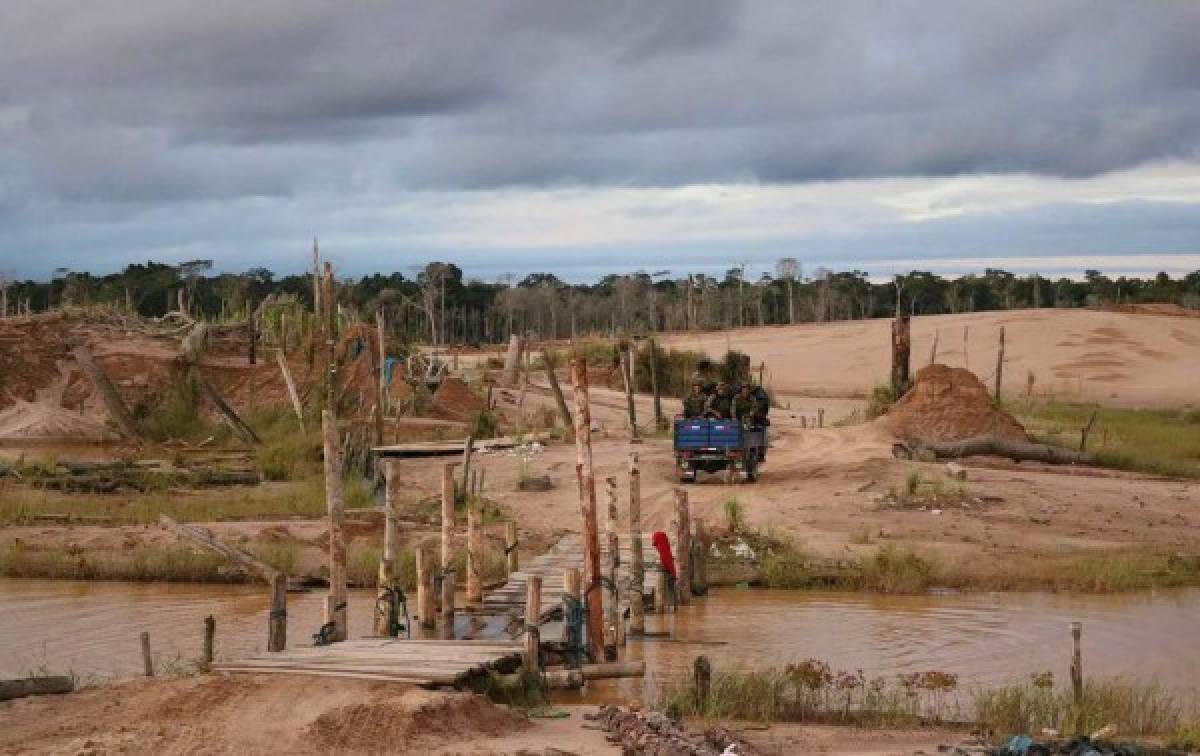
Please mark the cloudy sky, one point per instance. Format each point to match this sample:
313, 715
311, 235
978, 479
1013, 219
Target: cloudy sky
591, 137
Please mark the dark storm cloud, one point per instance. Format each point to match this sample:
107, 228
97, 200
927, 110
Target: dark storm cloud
465, 94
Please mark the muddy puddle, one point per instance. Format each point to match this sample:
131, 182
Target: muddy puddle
92, 629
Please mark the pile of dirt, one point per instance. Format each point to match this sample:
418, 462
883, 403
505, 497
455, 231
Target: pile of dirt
414, 716
41, 422
454, 400
949, 404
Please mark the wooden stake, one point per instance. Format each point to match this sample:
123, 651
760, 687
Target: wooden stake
335, 606
510, 546
933, 349
277, 616
468, 450
700, 560
112, 400
297, 407
660, 421
426, 598
999, 364
552, 379
147, 659
1087, 431
627, 375
380, 378
447, 535
660, 592
901, 348
683, 547
820, 417
533, 615
966, 356
637, 609
1076, 662
512, 360
474, 553
611, 561
702, 679
210, 633
587, 505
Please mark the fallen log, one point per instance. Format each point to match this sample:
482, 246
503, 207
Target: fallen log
35, 686
1018, 451
239, 425
652, 734
112, 400
212, 543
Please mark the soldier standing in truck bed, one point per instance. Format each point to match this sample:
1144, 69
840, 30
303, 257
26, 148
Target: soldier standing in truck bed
720, 404
695, 402
745, 408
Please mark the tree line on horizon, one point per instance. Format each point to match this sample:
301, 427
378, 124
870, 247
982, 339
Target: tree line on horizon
438, 305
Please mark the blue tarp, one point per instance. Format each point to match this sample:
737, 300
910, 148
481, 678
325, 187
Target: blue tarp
388, 363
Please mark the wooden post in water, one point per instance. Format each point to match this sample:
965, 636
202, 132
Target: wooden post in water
587, 505
700, 560
426, 598
335, 602
683, 547
474, 553
702, 677
999, 364
210, 633
147, 659
447, 535
612, 560
277, 616
820, 417
1076, 663
389, 560
510, 546
660, 592
571, 593
637, 570
533, 615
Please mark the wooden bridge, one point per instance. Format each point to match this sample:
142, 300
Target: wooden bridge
433, 663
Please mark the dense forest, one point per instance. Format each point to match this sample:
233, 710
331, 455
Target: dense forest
439, 305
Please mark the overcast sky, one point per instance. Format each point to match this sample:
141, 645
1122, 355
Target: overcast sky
592, 137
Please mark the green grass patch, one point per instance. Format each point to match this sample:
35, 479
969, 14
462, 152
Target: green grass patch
140, 564
1157, 442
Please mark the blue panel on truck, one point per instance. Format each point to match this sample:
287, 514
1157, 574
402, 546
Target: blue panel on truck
691, 434
725, 434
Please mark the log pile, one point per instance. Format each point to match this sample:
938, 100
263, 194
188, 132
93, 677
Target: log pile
653, 734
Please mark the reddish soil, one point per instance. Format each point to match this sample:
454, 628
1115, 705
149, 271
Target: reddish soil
949, 404
454, 400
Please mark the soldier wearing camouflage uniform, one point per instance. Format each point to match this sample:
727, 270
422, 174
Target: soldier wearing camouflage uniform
720, 404
695, 402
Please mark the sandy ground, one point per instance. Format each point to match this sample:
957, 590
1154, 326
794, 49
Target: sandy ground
822, 487
216, 714
1115, 358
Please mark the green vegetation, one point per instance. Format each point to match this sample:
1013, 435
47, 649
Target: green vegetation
175, 414
304, 498
1158, 442
735, 516
880, 400
143, 564
812, 691
899, 569
1136, 708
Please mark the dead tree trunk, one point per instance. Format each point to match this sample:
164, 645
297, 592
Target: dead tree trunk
335, 602
660, 422
239, 425
556, 389
112, 400
1002, 447
901, 349
999, 364
512, 361
627, 374
611, 563
291, 387
380, 379
587, 505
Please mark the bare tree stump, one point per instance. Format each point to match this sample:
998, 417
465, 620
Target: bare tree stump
147, 658
277, 616
637, 573
336, 602
587, 504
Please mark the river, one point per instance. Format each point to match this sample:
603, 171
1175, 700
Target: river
92, 629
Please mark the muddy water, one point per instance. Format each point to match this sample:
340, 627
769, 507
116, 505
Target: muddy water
92, 629
984, 638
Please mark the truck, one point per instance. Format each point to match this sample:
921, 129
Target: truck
714, 445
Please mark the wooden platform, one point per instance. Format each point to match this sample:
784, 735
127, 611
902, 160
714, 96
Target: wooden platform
428, 663
567, 553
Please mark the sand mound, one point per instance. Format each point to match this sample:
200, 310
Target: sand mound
41, 422
948, 404
454, 400
416, 714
